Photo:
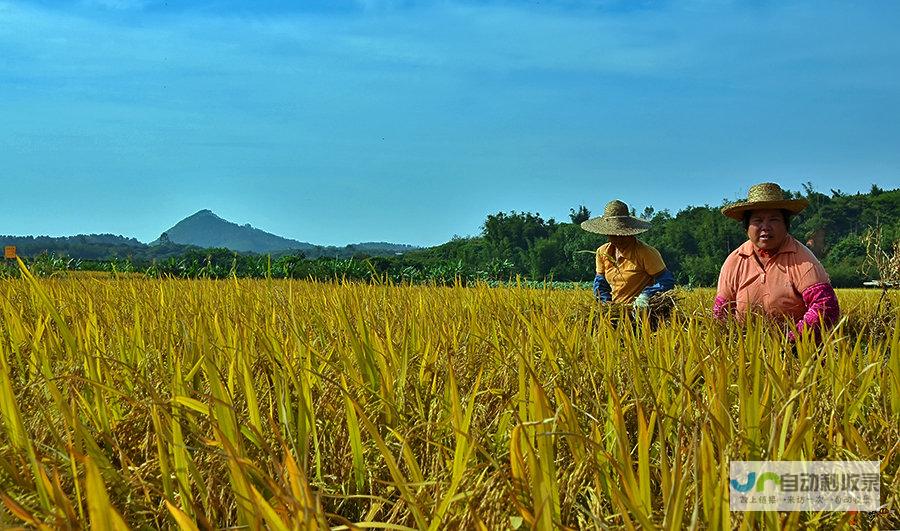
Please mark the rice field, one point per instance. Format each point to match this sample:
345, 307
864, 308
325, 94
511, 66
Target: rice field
194, 404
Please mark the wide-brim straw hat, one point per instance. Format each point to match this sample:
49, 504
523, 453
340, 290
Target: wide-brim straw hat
616, 221
764, 196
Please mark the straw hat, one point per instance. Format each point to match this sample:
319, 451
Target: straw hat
616, 221
764, 196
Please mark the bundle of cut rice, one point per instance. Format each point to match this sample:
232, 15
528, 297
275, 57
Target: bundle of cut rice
661, 307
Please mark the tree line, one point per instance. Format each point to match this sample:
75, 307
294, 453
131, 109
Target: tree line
693, 242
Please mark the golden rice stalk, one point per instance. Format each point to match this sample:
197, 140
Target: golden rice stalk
400, 481
15, 429
356, 449
104, 517
185, 523
461, 421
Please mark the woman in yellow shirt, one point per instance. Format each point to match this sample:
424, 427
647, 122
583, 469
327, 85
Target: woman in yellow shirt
628, 270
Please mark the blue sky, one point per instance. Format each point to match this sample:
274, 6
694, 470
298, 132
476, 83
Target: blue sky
409, 121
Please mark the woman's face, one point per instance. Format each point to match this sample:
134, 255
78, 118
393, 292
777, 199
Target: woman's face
767, 229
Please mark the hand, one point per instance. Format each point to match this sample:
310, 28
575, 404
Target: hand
642, 302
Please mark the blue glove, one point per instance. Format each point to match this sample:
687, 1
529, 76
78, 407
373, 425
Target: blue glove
602, 289
663, 281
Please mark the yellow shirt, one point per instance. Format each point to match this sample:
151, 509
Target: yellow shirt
633, 272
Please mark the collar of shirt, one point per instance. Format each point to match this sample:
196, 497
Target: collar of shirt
748, 249
626, 251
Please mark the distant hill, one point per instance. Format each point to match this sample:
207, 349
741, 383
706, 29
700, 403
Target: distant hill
198, 231
88, 246
206, 229
83, 239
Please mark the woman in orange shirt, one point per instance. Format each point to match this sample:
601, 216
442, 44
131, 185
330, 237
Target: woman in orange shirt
772, 272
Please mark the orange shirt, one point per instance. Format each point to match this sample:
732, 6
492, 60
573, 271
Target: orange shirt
633, 272
774, 288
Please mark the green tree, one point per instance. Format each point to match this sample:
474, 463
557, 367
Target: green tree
580, 215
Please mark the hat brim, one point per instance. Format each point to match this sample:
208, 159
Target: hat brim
736, 211
616, 226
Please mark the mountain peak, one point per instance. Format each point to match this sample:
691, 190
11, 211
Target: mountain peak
204, 213
205, 229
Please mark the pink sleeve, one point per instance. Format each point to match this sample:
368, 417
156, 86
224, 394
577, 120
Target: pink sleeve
720, 308
821, 307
